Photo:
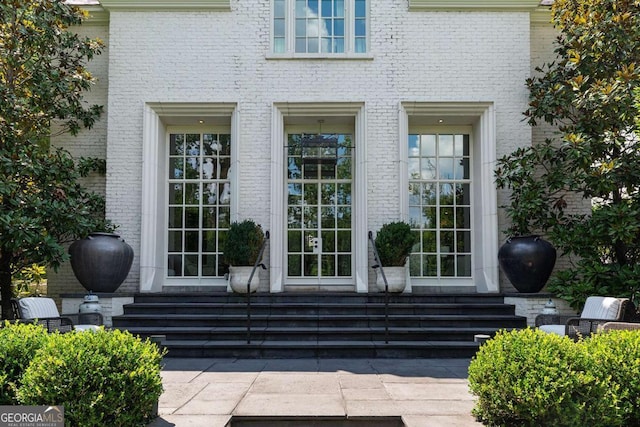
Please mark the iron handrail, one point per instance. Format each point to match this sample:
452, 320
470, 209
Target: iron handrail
257, 264
386, 287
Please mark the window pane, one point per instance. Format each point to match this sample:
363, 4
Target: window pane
301, 8
301, 27
428, 145
339, 8
326, 7
338, 45
301, 45
445, 145
279, 9
278, 45
176, 145
361, 8
338, 27
361, 27
361, 45
278, 27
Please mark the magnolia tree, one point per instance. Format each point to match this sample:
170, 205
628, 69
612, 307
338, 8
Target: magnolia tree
587, 94
42, 81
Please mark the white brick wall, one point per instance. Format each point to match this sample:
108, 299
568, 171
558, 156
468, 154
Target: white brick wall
88, 143
220, 57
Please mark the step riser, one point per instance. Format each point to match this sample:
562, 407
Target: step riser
329, 353
363, 311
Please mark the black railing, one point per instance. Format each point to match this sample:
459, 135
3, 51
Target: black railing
257, 264
386, 287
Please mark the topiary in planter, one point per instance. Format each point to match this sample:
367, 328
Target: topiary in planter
394, 242
103, 378
243, 242
18, 345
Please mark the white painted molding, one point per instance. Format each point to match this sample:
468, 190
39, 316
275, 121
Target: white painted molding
166, 5
498, 5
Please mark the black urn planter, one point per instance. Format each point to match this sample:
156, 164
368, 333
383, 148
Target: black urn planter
101, 261
528, 262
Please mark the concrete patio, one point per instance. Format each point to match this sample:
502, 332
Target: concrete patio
209, 392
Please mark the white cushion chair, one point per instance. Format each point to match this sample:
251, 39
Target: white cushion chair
596, 312
45, 312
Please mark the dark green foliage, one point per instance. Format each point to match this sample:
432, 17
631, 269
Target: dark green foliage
394, 242
531, 378
18, 345
42, 81
106, 378
588, 95
243, 242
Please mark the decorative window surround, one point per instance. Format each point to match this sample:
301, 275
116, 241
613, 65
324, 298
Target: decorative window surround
280, 112
474, 5
481, 116
157, 116
166, 5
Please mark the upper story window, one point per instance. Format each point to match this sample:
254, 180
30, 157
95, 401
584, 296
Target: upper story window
320, 27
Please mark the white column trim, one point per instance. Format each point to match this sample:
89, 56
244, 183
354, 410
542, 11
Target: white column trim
361, 242
150, 272
276, 239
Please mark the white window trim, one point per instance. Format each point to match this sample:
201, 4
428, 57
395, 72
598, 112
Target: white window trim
349, 37
485, 199
359, 196
157, 118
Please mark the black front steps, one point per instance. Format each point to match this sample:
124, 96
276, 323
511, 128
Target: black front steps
318, 325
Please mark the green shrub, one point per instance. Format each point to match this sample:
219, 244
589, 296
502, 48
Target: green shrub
531, 378
394, 242
243, 243
106, 378
18, 345
618, 356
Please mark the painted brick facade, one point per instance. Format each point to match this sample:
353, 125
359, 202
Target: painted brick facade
215, 57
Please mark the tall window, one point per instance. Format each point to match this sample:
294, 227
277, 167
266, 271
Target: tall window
320, 26
199, 193
440, 204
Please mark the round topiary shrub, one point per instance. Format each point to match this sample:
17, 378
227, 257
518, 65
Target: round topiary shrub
618, 357
106, 378
531, 378
18, 345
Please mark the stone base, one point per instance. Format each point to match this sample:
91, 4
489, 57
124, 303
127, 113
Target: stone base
112, 304
530, 305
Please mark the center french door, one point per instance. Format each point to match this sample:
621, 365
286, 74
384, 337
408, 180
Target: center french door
319, 248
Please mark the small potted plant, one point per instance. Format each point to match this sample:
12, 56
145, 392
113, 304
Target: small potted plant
394, 243
241, 250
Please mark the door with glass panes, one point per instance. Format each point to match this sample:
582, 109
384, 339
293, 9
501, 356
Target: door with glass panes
319, 209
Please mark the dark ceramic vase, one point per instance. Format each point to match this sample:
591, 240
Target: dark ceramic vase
101, 261
527, 262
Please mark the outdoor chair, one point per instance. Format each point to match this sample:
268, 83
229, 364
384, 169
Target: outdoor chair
619, 326
45, 312
596, 312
